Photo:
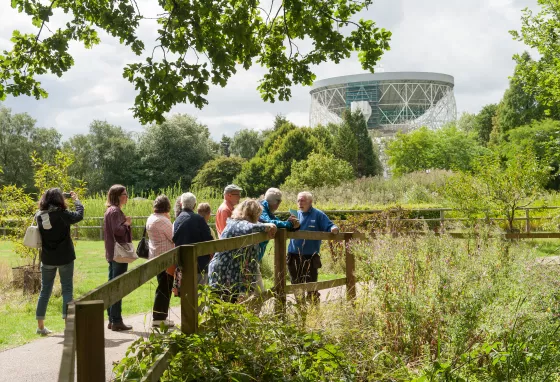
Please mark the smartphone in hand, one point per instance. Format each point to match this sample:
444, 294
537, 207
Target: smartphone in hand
293, 212
67, 195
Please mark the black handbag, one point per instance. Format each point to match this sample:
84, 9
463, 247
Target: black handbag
143, 250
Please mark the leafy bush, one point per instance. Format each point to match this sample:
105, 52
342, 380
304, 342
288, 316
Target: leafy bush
496, 188
319, 170
239, 346
17, 209
424, 149
218, 173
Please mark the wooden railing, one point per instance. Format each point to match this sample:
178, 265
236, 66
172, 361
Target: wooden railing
84, 333
442, 219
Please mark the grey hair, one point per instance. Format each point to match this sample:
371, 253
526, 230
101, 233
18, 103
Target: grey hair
273, 195
188, 201
308, 195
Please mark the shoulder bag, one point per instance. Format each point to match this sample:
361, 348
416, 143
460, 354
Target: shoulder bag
143, 249
124, 253
32, 236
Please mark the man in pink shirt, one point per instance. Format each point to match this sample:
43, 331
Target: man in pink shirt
232, 194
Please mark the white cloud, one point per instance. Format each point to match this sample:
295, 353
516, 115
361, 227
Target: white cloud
466, 39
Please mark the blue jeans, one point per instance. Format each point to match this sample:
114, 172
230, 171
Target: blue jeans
48, 273
115, 311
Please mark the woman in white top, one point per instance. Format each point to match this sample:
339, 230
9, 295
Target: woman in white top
160, 235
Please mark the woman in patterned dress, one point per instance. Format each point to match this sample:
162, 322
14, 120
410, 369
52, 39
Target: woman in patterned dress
234, 272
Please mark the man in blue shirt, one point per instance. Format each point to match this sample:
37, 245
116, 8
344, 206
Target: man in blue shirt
303, 255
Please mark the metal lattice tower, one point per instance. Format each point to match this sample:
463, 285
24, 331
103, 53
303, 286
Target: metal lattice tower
400, 101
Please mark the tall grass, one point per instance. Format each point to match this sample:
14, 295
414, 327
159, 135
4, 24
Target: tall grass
413, 189
440, 309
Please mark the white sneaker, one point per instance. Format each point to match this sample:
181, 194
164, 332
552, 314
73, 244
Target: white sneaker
43, 331
168, 323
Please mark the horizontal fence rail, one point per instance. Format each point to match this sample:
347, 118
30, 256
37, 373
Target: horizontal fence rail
141, 220
84, 336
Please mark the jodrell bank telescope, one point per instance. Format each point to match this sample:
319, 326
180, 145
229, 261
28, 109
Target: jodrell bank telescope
391, 102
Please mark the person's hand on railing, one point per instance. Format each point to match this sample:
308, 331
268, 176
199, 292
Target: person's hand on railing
335, 230
271, 229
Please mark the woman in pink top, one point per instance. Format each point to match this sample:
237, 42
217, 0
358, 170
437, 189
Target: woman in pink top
160, 235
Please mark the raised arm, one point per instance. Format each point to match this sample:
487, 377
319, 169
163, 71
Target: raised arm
73, 217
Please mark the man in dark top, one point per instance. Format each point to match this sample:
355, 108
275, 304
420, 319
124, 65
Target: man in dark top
191, 228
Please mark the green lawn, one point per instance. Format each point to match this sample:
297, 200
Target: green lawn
17, 312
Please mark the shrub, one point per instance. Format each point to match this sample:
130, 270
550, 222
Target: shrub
319, 170
424, 149
218, 173
239, 346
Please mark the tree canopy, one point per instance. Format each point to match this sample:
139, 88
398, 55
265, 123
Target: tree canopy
105, 156
173, 151
19, 138
273, 162
198, 43
540, 32
246, 143
353, 144
484, 121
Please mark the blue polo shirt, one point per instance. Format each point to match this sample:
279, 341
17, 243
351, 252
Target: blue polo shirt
312, 220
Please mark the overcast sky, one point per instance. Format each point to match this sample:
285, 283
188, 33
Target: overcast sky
466, 39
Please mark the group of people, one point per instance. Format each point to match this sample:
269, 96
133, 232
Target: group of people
232, 274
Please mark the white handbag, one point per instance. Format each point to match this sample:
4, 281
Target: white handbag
32, 236
124, 253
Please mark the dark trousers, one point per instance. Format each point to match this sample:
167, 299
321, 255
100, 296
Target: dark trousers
163, 296
115, 311
304, 269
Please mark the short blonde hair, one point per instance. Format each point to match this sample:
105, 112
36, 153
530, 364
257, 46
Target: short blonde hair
249, 210
204, 209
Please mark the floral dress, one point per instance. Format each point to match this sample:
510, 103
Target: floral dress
236, 271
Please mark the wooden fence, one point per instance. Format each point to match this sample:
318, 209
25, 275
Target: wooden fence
441, 219
84, 353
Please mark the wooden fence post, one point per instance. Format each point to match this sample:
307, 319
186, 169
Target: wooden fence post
280, 269
189, 290
527, 221
90, 340
442, 220
350, 269
67, 371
